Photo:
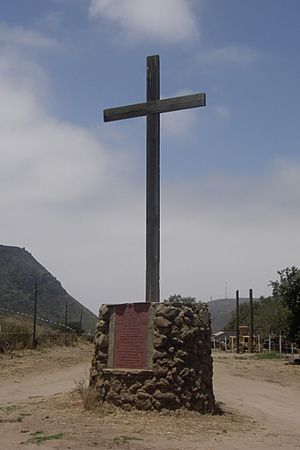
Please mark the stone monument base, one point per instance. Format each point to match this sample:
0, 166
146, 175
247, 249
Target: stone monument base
168, 353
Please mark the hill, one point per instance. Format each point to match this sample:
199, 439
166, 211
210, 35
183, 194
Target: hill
220, 311
18, 273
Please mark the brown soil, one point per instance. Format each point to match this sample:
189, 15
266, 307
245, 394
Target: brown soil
261, 400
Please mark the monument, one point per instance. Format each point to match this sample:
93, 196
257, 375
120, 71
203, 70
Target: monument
150, 355
152, 110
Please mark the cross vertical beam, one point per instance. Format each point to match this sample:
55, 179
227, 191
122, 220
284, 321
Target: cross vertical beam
153, 184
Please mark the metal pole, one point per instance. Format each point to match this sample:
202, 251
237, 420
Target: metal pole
270, 348
251, 320
153, 184
34, 316
237, 322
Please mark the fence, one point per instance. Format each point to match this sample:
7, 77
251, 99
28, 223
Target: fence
39, 319
17, 337
272, 343
19, 341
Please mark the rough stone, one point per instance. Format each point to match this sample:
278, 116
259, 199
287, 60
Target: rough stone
178, 321
187, 333
160, 371
163, 385
104, 312
178, 361
102, 342
165, 396
134, 388
175, 331
177, 341
181, 375
100, 366
182, 354
159, 340
150, 386
101, 355
102, 326
184, 373
158, 355
170, 312
162, 322
94, 372
141, 395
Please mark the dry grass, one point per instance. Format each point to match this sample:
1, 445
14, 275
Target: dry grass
88, 395
16, 334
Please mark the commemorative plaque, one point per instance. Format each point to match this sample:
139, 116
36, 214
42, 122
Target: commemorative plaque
131, 337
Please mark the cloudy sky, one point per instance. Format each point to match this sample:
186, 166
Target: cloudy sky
73, 188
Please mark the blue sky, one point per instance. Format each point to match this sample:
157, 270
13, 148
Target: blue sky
75, 187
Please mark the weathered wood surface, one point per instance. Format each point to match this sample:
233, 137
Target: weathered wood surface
153, 184
152, 109
155, 107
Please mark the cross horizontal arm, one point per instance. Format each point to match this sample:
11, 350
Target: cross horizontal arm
158, 106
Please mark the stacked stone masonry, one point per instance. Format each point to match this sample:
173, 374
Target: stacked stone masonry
181, 373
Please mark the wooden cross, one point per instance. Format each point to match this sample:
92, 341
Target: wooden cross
152, 109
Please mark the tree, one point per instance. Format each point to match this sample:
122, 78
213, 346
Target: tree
176, 298
287, 288
270, 315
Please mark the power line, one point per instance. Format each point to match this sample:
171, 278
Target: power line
38, 318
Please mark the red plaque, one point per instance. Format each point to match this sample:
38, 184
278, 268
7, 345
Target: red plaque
131, 336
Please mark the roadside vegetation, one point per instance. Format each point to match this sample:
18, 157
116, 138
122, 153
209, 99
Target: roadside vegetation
270, 314
16, 333
279, 313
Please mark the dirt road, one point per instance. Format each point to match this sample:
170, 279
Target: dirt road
43, 385
268, 392
262, 400
276, 406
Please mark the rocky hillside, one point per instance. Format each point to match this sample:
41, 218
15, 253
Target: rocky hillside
18, 273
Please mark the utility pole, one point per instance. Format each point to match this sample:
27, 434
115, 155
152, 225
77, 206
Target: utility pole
80, 322
237, 322
251, 321
66, 322
34, 316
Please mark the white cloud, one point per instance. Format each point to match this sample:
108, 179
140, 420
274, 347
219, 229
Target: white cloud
64, 194
233, 54
42, 160
18, 36
168, 20
236, 229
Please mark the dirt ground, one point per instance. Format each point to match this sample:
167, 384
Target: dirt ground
261, 400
